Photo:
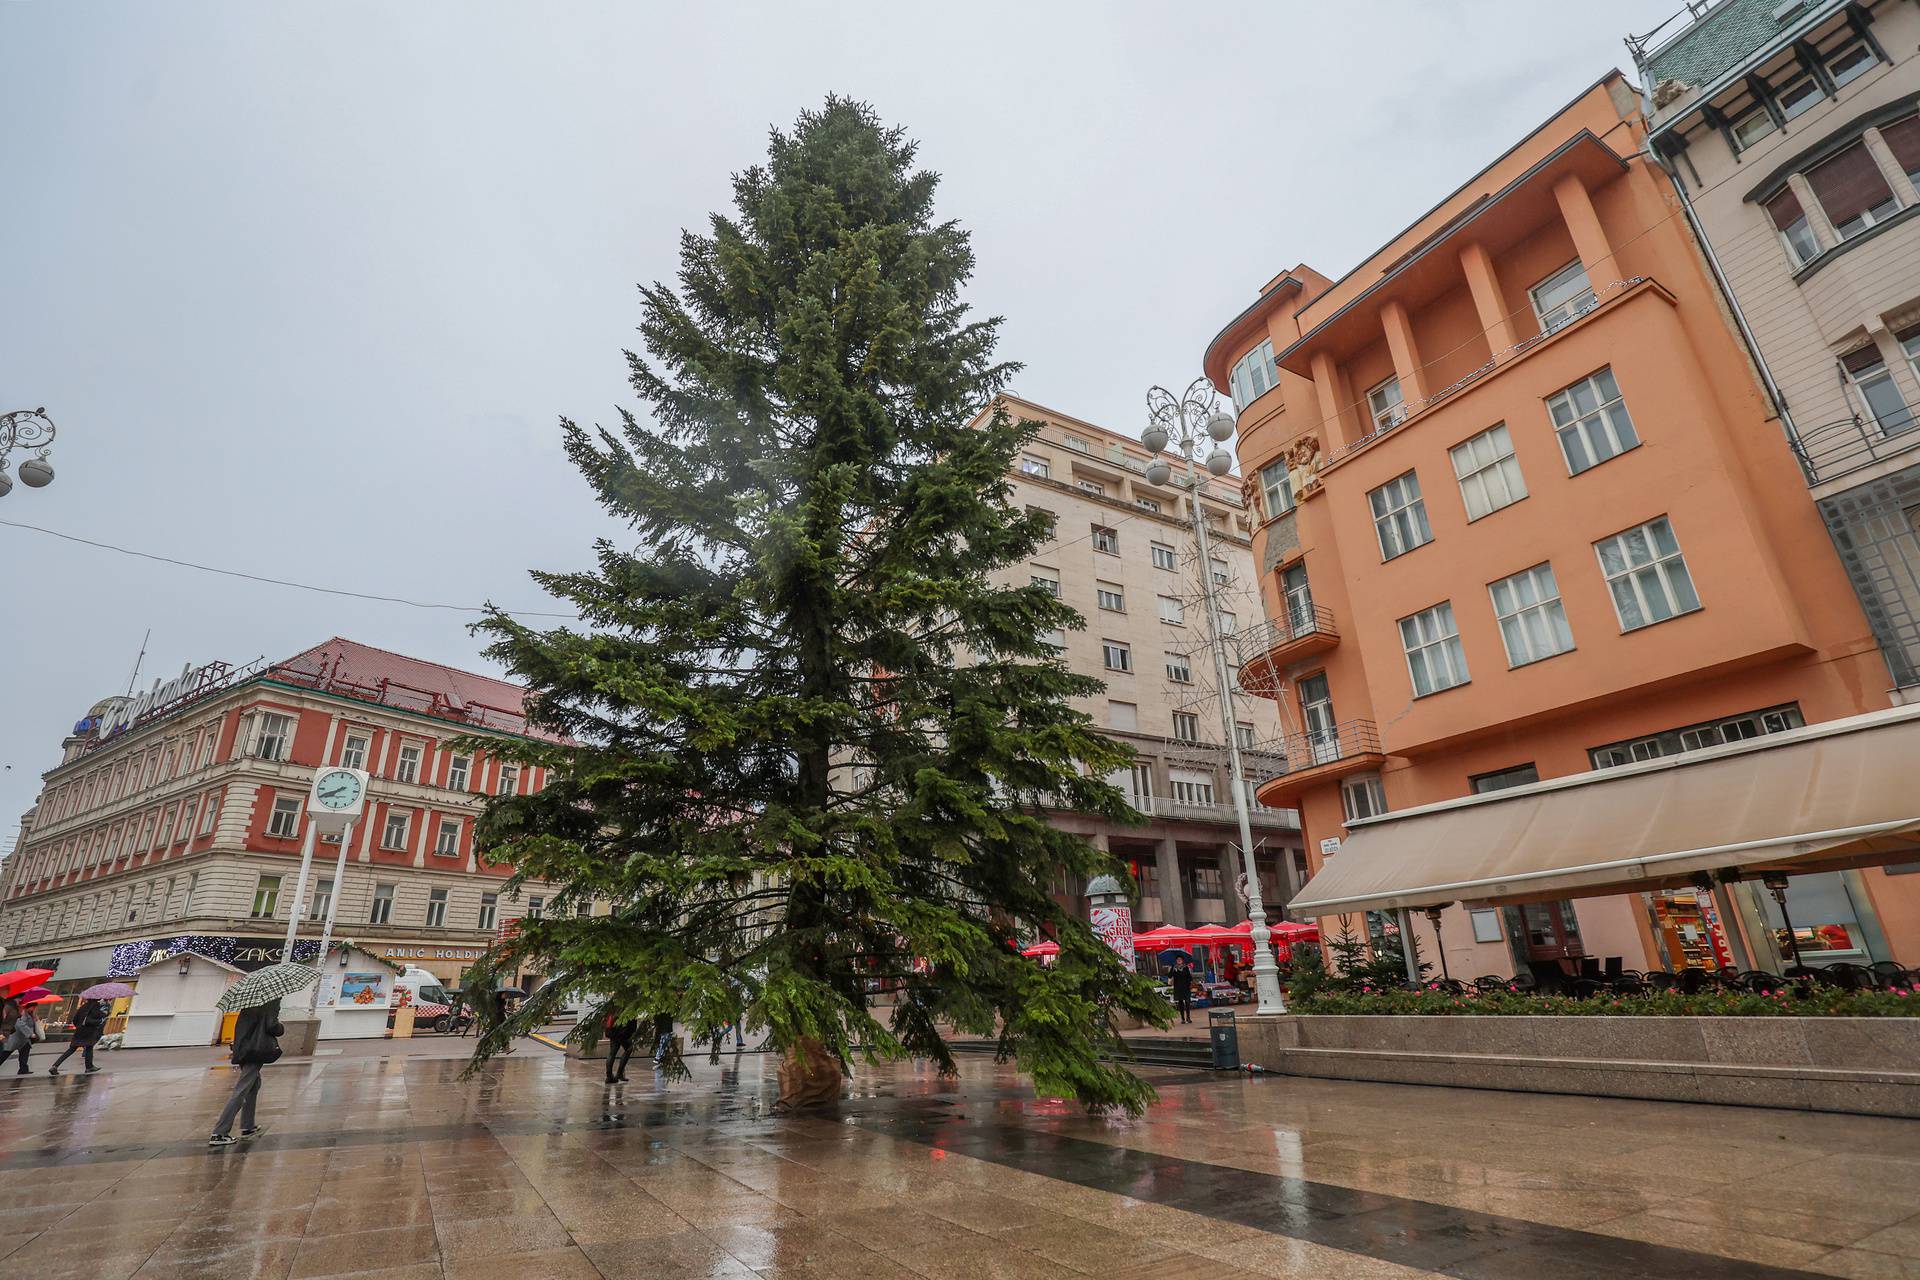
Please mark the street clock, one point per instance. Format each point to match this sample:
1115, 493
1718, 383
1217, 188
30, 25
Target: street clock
338, 796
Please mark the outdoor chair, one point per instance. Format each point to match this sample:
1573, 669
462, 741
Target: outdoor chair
1761, 982
1889, 975
1587, 988
1848, 976
1629, 982
1450, 986
1524, 982
1693, 981
1659, 980
1489, 982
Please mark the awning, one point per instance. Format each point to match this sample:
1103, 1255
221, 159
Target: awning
1839, 794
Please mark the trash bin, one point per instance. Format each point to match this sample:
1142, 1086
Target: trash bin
1225, 1038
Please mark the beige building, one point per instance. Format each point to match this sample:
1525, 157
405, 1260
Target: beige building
1124, 555
1792, 133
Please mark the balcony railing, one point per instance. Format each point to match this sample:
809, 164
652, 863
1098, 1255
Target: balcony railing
1263, 650
1259, 815
1835, 449
1349, 740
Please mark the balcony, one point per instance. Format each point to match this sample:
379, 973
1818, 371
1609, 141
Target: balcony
1264, 650
1352, 746
1835, 449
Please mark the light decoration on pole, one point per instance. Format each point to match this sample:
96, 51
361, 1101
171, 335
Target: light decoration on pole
1187, 424
27, 429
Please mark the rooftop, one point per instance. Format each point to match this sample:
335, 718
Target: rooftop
1720, 36
363, 672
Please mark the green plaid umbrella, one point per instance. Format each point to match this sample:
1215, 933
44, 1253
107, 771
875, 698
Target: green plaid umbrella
264, 985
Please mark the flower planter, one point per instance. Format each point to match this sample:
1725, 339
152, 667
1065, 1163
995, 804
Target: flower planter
1869, 1066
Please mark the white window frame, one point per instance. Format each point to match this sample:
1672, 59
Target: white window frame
1106, 540
1385, 403
209, 814
353, 752
1791, 110
1077, 444
489, 911
1222, 571
1093, 487
1487, 472
282, 742
1172, 612
1186, 726
1362, 796
1276, 489
459, 772
1164, 556
1040, 576
406, 765
320, 899
1148, 504
1563, 297
283, 821
436, 908
381, 909
1179, 668
1430, 640
1399, 514
509, 780
1532, 619
1607, 423
443, 846
1253, 374
1033, 465
1793, 233
1759, 114
1229, 622
1867, 63
1191, 787
1110, 596
266, 892
1664, 568
404, 818
1245, 734
1116, 655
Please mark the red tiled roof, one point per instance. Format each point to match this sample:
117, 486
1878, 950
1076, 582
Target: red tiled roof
361, 671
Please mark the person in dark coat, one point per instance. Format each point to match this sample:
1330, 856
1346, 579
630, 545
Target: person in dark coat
256, 1042
1183, 990
89, 1021
19, 1030
620, 1038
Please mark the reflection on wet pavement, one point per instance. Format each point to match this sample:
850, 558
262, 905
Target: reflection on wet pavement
396, 1168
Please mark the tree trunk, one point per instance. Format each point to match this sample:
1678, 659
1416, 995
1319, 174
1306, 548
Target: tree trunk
810, 1076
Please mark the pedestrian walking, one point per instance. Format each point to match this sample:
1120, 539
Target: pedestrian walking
89, 1021
662, 1036
26, 1033
620, 1038
256, 1042
1183, 990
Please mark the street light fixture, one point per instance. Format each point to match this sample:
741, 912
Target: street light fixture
1187, 423
26, 429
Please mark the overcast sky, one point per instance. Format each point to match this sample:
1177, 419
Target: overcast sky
305, 287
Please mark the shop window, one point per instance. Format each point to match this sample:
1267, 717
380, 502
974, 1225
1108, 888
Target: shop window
1826, 923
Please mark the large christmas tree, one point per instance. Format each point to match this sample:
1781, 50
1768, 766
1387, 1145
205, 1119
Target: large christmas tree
807, 738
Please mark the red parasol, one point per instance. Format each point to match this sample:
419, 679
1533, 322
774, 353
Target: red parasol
48, 998
1047, 948
1166, 937
20, 979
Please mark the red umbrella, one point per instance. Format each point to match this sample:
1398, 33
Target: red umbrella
48, 998
1164, 938
1047, 948
20, 979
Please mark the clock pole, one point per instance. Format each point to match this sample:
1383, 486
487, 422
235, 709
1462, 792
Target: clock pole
300, 887
333, 905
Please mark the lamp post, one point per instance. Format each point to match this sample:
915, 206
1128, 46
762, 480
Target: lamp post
1185, 424
26, 429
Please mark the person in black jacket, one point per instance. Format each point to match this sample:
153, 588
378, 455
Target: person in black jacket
256, 1042
620, 1038
1183, 990
89, 1020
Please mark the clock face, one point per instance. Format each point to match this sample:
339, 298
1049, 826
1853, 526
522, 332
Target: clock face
339, 789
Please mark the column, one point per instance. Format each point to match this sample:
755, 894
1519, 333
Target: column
1823, 233
1327, 390
1589, 238
1173, 899
1890, 168
1406, 355
1488, 302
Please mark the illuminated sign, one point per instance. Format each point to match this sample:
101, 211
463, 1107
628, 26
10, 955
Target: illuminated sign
124, 713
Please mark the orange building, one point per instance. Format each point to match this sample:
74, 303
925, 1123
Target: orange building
1525, 514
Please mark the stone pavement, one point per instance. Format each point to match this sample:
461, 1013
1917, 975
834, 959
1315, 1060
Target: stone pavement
391, 1167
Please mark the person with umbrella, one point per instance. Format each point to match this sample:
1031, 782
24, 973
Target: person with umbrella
256, 1040
89, 1021
1183, 988
23, 1033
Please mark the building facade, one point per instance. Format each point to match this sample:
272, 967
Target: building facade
1123, 554
1523, 514
1793, 134
175, 821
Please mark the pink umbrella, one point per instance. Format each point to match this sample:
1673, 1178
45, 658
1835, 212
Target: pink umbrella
32, 995
1047, 948
107, 991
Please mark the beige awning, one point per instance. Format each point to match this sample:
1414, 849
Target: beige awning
1843, 793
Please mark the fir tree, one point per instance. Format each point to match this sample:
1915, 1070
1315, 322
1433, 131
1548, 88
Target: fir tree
806, 738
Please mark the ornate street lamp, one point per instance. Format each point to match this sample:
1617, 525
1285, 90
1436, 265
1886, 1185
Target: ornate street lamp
26, 429
1188, 424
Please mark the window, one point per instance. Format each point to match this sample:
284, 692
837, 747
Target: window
354, 754
1488, 473
1798, 98
285, 819
1047, 580
457, 770
322, 900
1123, 715
489, 909
1533, 623
1093, 487
1178, 668
1222, 575
1486, 924
1298, 596
1078, 445
382, 911
1229, 622
1751, 127
1204, 879
1163, 556
1853, 192
394, 835
437, 909
1106, 540
1172, 611
209, 812
1362, 796
446, 840
1867, 372
1276, 489
272, 735
408, 767
206, 749
1253, 375
1055, 637
1110, 596
1903, 139
1647, 575
1562, 297
186, 818
1243, 735
266, 896
1116, 656
1190, 786
1186, 726
509, 780
1400, 516
1796, 233
1046, 517
1850, 63
1435, 659
1696, 737
1519, 775
1591, 420
1147, 504
536, 907
1034, 466
1383, 402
